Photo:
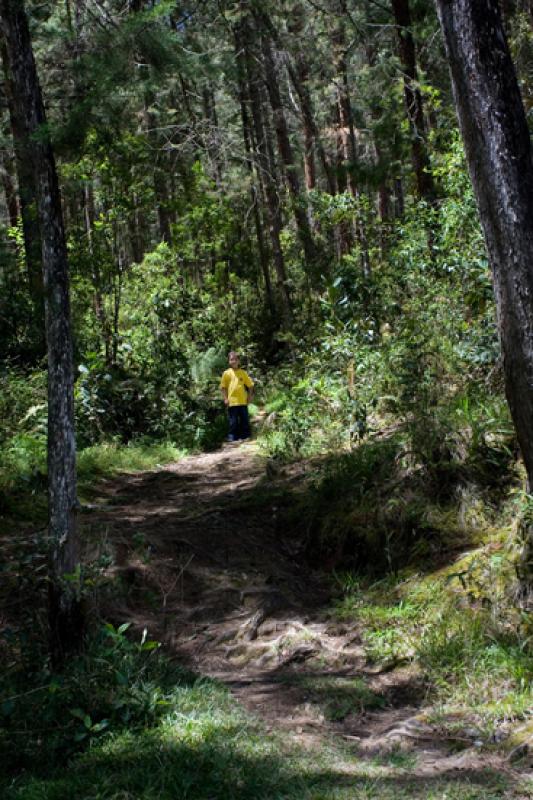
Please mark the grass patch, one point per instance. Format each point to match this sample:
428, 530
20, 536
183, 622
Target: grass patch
106, 460
338, 697
125, 722
23, 481
461, 626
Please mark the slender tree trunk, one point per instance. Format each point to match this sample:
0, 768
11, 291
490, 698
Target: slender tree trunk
413, 100
98, 299
266, 169
498, 149
343, 231
255, 180
309, 144
312, 136
28, 200
213, 144
161, 193
399, 199
345, 114
347, 138
65, 617
285, 150
159, 177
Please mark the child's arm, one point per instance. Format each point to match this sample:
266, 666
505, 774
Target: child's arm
249, 387
224, 388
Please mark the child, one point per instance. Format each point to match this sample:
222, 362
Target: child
237, 391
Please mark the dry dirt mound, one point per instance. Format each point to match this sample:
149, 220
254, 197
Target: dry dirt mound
208, 567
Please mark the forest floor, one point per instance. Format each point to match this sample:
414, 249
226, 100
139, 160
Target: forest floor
210, 568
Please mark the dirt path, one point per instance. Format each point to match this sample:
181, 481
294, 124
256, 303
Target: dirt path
209, 569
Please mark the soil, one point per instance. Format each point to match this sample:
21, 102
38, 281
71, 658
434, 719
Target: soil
210, 566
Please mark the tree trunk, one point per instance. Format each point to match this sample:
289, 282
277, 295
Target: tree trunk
213, 143
65, 616
347, 140
159, 177
255, 180
28, 201
89, 216
498, 149
265, 163
413, 100
298, 78
285, 151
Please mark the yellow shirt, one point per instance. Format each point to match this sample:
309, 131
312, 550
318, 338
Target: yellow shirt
235, 381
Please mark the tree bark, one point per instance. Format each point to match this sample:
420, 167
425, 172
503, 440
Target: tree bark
498, 149
65, 618
413, 100
345, 116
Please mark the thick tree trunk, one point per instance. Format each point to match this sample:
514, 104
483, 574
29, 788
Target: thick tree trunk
413, 100
27, 190
65, 616
498, 150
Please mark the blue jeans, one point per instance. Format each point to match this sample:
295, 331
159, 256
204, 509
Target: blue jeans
239, 425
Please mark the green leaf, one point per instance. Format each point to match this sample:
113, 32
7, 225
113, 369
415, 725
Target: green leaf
98, 727
150, 645
124, 627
